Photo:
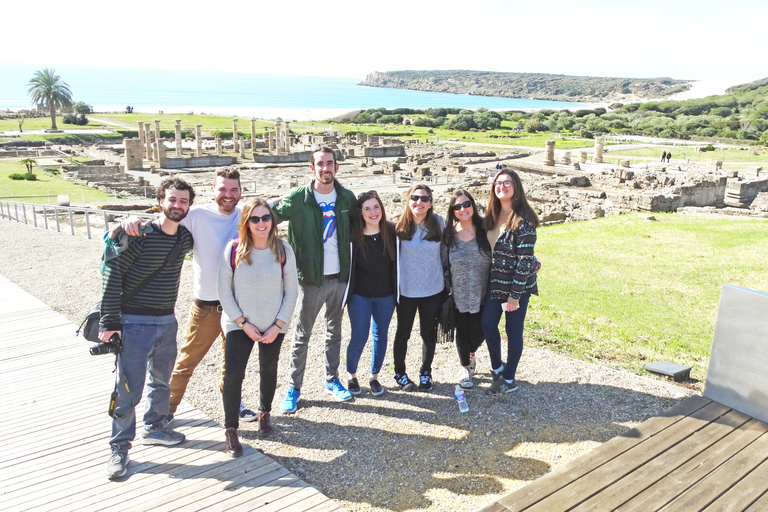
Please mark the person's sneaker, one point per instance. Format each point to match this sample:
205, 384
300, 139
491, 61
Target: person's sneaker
117, 465
233, 446
354, 387
376, 388
291, 401
404, 382
247, 414
496, 376
425, 381
472, 363
465, 378
502, 385
162, 436
265, 427
339, 392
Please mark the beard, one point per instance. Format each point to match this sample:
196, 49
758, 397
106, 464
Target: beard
175, 214
226, 207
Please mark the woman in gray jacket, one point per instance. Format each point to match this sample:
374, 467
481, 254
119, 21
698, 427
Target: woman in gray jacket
258, 289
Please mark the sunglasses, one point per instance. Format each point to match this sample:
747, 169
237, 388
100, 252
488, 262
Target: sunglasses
424, 199
507, 183
264, 218
459, 206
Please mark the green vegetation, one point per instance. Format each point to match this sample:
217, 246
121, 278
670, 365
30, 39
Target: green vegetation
626, 291
45, 184
539, 86
751, 155
48, 89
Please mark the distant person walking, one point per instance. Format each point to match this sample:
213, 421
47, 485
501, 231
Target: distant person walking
663, 156
669, 155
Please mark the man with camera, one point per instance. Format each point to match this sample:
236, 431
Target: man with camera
139, 293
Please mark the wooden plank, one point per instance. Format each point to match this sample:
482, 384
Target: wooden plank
552, 482
256, 494
666, 462
748, 490
675, 483
720, 480
603, 476
761, 505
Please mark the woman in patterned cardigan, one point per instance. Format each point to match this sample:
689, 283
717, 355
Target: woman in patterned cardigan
511, 226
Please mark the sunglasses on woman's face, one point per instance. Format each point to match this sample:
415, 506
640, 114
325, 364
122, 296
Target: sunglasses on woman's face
264, 218
459, 206
424, 199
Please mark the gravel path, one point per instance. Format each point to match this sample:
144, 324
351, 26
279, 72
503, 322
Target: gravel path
401, 451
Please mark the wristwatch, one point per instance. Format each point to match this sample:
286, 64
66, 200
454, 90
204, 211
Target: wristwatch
241, 324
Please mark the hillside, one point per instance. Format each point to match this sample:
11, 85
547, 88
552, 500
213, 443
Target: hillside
583, 89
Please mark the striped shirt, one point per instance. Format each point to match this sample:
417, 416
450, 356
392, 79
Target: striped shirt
513, 268
143, 256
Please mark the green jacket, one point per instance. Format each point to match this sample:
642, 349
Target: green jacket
305, 230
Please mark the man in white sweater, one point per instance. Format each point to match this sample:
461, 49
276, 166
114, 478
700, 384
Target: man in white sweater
212, 225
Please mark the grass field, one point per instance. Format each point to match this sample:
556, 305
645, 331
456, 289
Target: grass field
44, 185
726, 155
43, 123
627, 291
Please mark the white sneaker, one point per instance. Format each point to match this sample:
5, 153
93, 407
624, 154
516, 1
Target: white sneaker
465, 379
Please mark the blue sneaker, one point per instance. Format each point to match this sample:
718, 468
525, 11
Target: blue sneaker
338, 391
290, 402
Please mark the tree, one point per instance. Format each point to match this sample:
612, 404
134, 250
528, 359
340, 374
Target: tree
46, 88
29, 163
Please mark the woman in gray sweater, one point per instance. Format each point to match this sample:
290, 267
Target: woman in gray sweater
466, 254
258, 289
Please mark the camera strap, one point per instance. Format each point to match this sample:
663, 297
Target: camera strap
172, 255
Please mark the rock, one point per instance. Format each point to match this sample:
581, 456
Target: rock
579, 181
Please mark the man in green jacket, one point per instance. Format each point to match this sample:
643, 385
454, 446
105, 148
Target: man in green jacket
319, 216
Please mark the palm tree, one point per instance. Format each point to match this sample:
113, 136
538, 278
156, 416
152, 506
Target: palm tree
47, 88
29, 163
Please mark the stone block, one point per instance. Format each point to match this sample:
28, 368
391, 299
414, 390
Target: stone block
738, 364
678, 372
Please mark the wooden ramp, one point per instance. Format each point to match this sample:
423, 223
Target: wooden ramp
54, 431
700, 455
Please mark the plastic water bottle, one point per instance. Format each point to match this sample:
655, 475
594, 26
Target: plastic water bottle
461, 399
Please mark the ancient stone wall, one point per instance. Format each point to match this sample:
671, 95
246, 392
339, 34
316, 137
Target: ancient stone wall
199, 161
384, 151
742, 193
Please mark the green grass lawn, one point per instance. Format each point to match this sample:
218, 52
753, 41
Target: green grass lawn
168, 121
44, 185
726, 155
627, 291
43, 123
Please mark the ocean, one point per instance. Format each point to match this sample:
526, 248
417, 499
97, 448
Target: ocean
239, 94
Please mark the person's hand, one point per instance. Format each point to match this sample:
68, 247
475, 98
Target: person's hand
270, 335
511, 305
251, 331
104, 336
132, 225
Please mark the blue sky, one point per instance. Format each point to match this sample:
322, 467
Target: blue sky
684, 39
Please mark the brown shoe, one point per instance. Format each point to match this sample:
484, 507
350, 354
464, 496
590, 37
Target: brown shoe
234, 448
264, 426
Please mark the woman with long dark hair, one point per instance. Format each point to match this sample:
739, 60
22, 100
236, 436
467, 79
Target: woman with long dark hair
510, 223
371, 289
258, 289
466, 255
420, 281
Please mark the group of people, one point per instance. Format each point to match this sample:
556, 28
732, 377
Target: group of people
341, 252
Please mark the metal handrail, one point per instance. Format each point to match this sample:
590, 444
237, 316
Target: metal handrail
6, 212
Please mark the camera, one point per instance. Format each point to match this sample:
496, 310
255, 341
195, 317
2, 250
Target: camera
114, 346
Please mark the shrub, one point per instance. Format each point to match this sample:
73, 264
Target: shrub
25, 176
129, 109
462, 123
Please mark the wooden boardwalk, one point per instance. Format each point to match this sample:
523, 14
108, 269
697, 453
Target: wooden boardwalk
54, 430
698, 455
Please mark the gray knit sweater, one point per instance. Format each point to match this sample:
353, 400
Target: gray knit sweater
262, 292
470, 268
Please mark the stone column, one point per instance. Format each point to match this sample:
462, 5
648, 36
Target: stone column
161, 153
235, 136
549, 157
199, 139
278, 135
287, 137
241, 145
134, 150
141, 136
218, 145
253, 135
583, 157
178, 138
270, 142
597, 158
157, 140
566, 157
148, 141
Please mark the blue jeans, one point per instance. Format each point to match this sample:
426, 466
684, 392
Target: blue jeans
514, 326
361, 310
149, 347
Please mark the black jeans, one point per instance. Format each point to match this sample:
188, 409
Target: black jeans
237, 350
406, 313
469, 334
